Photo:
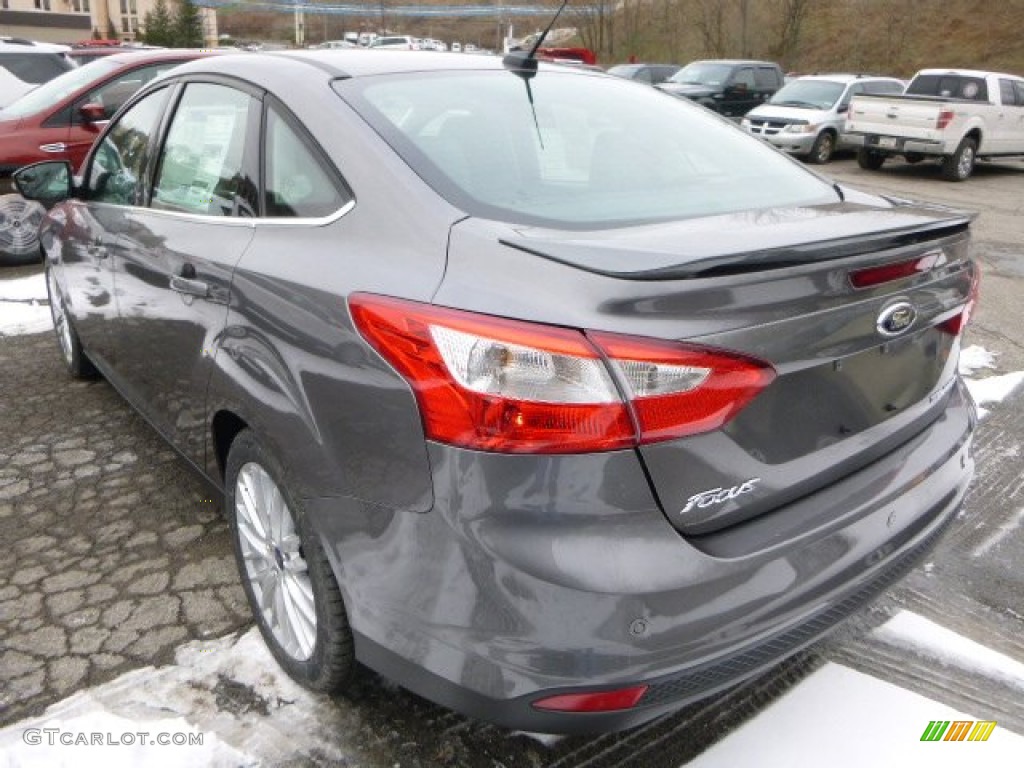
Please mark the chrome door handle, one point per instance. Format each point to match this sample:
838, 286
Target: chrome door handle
58, 146
189, 286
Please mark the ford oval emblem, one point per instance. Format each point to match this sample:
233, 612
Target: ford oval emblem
896, 319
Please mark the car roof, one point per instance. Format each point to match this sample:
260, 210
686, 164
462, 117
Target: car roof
736, 62
131, 58
346, 63
20, 45
967, 73
843, 77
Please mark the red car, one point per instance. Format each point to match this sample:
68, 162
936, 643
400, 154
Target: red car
59, 121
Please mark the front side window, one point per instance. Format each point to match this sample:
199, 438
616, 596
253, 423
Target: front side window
202, 167
575, 150
1019, 88
296, 183
117, 173
744, 77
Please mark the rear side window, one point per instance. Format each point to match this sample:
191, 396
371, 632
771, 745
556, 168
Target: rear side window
1019, 88
1007, 93
202, 166
296, 183
950, 87
745, 77
883, 86
766, 77
34, 68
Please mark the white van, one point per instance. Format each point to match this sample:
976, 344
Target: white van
806, 116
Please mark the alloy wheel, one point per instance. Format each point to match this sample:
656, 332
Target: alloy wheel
275, 566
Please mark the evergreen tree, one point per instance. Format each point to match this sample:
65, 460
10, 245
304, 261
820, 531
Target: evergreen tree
188, 26
159, 25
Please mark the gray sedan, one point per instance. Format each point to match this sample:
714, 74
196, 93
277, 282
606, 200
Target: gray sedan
557, 400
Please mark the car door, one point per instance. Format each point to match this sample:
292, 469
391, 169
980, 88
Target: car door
1018, 135
111, 95
175, 257
740, 95
112, 183
1008, 131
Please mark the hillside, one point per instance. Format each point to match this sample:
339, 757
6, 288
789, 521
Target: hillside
885, 36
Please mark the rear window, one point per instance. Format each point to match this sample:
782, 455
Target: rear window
51, 93
949, 86
587, 152
34, 68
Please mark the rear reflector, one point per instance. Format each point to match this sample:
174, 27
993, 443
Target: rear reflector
598, 701
500, 385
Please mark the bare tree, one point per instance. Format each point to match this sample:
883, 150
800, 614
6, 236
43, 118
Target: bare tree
710, 23
791, 15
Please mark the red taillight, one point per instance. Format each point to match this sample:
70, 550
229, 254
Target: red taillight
502, 385
700, 389
885, 273
598, 701
944, 119
957, 323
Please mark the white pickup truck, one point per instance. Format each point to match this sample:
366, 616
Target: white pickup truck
956, 115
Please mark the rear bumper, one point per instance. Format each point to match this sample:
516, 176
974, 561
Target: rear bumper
902, 147
501, 595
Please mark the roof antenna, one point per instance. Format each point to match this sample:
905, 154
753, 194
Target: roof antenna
525, 65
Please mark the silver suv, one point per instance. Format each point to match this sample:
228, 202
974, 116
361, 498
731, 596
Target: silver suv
806, 116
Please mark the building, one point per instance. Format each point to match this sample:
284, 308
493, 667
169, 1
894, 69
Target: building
68, 21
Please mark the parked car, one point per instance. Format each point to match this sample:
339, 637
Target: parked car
806, 117
396, 43
731, 88
24, 64
953, 116
61, 119
652, 74
624, 407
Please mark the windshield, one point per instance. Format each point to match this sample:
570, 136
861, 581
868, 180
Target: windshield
700, 73
51, 93
809, 94
590, 151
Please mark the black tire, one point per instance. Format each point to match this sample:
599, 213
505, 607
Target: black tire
78, 364
960, 165
331, 662
869, 160
823, 149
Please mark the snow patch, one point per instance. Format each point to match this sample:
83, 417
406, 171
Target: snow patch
846, 719
24, 288
23, 306
910, 631
18, 318
994, 389
974, 358
231, 691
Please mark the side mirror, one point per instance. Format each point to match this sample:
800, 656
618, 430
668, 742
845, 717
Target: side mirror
48, 182
740, 88
843, 108
93, 113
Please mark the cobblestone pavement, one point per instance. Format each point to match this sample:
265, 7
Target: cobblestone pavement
114, 551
